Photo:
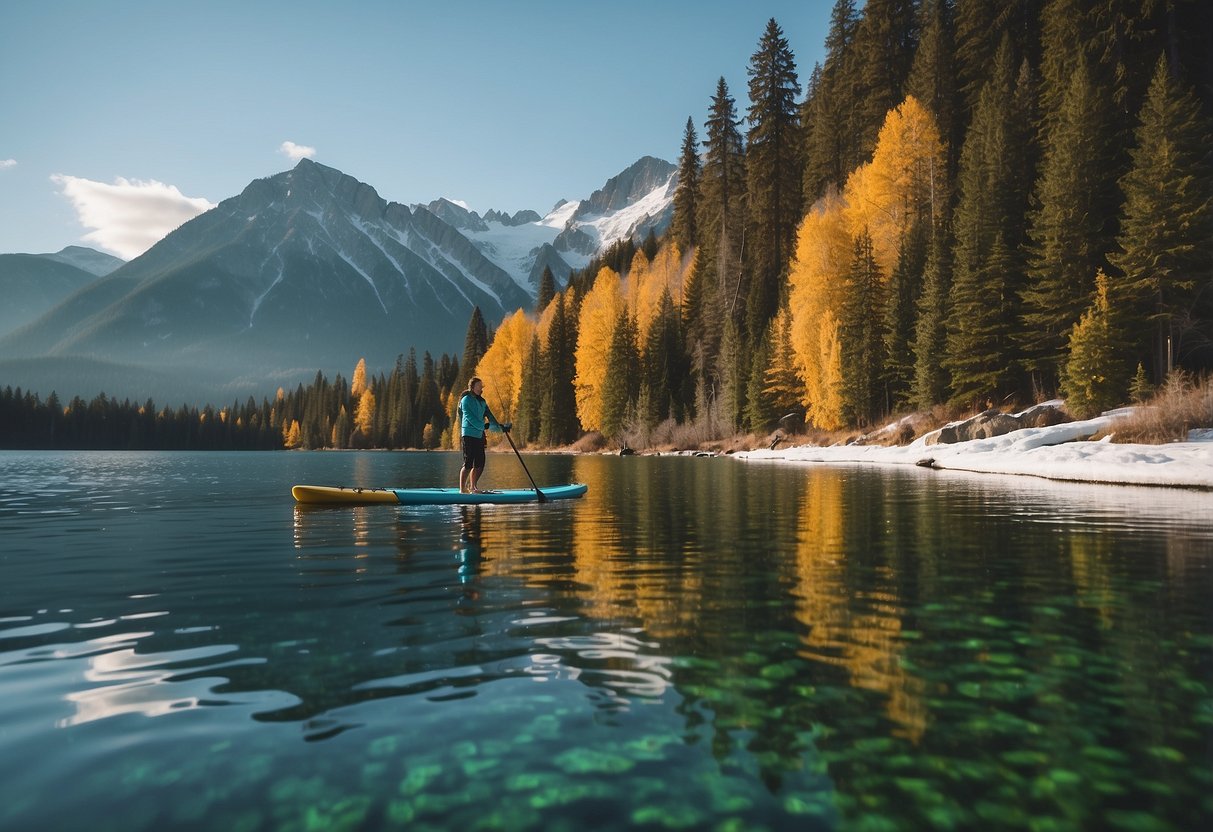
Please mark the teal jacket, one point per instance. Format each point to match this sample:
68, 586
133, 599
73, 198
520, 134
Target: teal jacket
474, 416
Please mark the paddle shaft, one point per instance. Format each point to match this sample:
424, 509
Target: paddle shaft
510, 439
538, 493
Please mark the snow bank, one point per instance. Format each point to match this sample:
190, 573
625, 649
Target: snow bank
1059, 452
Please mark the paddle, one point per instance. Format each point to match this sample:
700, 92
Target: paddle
538, 493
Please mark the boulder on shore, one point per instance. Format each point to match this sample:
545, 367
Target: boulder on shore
993, 422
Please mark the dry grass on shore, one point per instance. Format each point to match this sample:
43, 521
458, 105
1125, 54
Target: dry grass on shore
1184, 403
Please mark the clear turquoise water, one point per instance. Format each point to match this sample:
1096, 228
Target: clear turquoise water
697, 644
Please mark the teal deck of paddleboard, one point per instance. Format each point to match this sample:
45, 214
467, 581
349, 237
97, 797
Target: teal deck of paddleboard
452, 496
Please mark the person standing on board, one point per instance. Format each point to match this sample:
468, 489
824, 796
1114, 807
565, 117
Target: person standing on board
474, 418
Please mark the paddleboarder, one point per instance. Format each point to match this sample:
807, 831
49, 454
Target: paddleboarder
474, 418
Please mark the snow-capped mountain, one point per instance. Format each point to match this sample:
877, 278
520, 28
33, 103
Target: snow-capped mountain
311, 270
631, 204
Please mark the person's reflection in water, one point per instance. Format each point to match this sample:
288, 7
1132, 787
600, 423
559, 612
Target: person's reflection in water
469, 551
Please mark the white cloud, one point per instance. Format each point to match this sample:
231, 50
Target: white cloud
7, 163
129, 216
295, 152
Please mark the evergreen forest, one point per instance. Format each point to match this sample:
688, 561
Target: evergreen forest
968, 204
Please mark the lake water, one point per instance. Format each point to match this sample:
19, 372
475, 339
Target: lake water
696, 644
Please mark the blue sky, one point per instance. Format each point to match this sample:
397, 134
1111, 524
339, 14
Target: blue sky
120, 117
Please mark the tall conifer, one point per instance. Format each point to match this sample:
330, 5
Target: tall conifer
1164, 248
930, 385
773, 170
830, 150
933, 76
861, 327
720, 223
684, 227
883, 51
905, 286
1073, 224
547, 290
621, 387
988, 273
475, 345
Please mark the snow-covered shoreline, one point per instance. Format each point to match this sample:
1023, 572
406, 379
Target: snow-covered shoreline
1056, 453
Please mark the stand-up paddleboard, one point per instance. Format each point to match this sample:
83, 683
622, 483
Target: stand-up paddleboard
431, 496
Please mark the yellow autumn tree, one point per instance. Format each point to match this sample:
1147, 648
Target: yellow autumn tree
824, 395
817, 287
359, 382
599, 312
364, 417
501, 365
905, 177
646, 285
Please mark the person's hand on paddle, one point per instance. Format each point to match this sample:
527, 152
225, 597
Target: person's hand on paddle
505, 426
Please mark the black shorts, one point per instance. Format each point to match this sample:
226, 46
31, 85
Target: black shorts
473, 451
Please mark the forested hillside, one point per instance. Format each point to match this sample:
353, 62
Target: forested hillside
969, 203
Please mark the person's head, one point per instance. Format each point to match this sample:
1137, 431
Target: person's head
476, 386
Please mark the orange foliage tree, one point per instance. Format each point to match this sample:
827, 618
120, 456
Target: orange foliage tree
599, 312
817, 278
501, 365
647, 281
904, 179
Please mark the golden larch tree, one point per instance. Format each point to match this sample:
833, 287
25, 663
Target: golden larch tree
500, 367
359, 382
817, 278
600, 311
646, 286
904, 178
364, 417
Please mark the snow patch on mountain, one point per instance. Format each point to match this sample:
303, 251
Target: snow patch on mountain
626, 222
513, 248
560, 215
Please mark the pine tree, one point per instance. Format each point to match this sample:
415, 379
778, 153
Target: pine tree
905, 286
1093, 379
933, 76
830, 143
547, 289
976, 41
1166, 228
429, 410
883, 51
721, 218
1073, 225
862, 338
988, 272
558, 423
784, 387
712, 292
411, 422
1067, 41
621, 387
475, 345
664, 364
734, 374
530, 397
683, 227
773, 169
930, 385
